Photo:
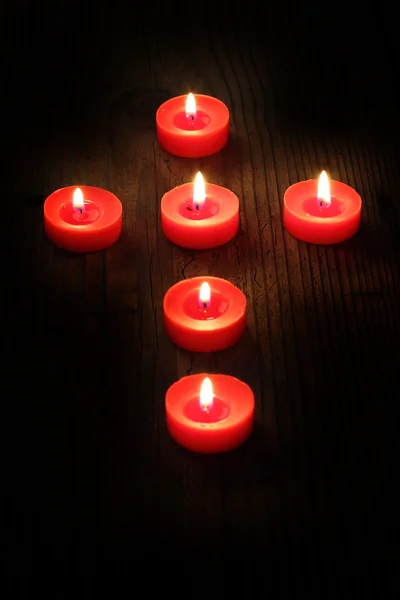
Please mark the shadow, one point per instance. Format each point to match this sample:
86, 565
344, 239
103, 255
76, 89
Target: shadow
379, 243
366, 236
253, 466
72, 256
230, 152
240, 360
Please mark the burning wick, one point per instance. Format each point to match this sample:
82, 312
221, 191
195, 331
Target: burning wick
77, 201
190, 108
205, 296
206, 395
199, 192
324, 193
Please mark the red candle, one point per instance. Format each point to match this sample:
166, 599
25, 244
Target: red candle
191, 126
196, 217
204, 314
209, 413
321, 212
84, 219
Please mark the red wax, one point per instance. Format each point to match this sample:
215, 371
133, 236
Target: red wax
307, 220
204, 328
226, 425
204, 134
95, 228
214, 224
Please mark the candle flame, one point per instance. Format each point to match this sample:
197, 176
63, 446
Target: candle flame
190, 106
206, 395
205, 295
324, 192
77, 200
199, 192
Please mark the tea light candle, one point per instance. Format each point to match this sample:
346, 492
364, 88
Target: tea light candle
204, 314
199, 216
321, 212
82, 219
209, 413
192, 126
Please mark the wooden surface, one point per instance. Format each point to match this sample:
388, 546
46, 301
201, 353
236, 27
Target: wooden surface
96, 484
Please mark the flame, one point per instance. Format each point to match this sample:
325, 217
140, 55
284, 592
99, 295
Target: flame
190, 109
324, 192
77, 200
205, 295
206, 395
199, 192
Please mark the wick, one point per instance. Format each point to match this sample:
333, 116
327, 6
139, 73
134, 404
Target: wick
197, 207
205, 305
80, 210
191, 117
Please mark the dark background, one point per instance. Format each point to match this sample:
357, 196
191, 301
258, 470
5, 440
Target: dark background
99, 499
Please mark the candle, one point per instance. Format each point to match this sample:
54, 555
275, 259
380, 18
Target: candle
192, 126
197, 216
204, 314
321, 212
82, 219
209, 413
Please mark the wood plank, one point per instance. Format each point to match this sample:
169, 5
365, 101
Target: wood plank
322, 347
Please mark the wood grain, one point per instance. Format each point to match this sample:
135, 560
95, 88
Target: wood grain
322, 348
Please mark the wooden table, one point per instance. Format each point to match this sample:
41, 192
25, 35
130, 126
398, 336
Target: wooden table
94, 475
